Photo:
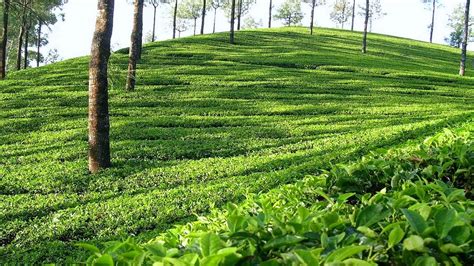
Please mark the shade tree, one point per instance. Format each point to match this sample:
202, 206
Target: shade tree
341, 11
290, 12
313, 4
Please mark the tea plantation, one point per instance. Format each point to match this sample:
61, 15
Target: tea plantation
208, 123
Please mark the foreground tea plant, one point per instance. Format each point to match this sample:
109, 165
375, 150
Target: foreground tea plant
424, 219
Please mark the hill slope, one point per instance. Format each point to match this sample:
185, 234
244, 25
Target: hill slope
207, 122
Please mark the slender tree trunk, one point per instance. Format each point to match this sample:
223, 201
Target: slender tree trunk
311, 25
38, 44
353, 14
175, 13
214, 25
20, 36
239, 14
366, 22
462, 68
27, 37
135, 50
432, 20
3, 48
99, 143
203, 16
195, 26
232, 21
20, 44
154, 24
270, 14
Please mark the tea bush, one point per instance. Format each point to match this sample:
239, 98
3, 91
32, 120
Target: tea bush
419, 221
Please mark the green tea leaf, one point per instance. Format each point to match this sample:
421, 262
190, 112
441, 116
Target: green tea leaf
444, 221
307, 257
425, 261
210, 244
286, 240
415, 220
370, 215
89, 247
414, 243
395, 236
104, 260
345, 252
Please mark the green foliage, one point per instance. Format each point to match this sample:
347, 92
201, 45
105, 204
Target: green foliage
419, 221
290, 12
209, 123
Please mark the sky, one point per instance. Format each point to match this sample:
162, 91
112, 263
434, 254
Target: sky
72, 37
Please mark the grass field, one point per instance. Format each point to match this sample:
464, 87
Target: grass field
208, 122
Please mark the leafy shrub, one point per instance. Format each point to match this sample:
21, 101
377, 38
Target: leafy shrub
423, 220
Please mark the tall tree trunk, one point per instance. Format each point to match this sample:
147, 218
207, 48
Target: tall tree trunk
195, 26
232, 21
99, 143
3, 48
353, 14
135, 46
311, 25
270, 14
154, 24
203, 16
38, 44
462, 68
366, 22
432, 20
175, 13
20, 44
214, 25
21, 35
239, 14
27, 37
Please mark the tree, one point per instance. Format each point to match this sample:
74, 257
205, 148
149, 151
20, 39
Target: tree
25, 7
155, 4
4, 41
270, 14
366, 22
313, 4
341, 12
290, 12
203, 15
175, 17
99, 126
136, 44
462, 68
190, 9
232, 21
46, 14
353, 14
456, 23
375, 12
433, 4
251, 23
242, 7
216, 4
181, 26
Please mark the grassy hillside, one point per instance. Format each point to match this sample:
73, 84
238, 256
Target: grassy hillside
207, 122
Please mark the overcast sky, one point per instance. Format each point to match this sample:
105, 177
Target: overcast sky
72, 38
